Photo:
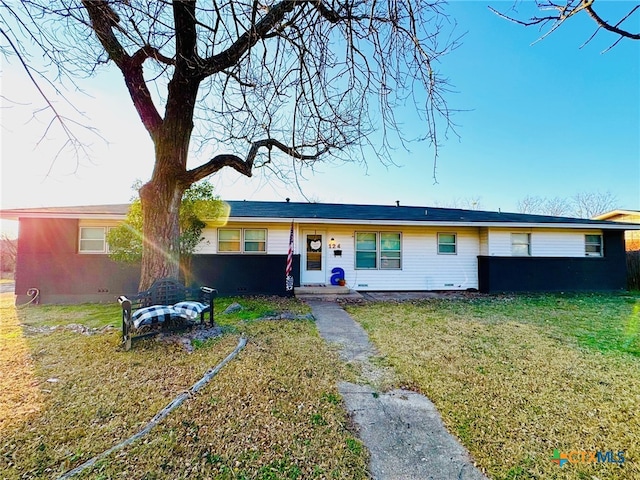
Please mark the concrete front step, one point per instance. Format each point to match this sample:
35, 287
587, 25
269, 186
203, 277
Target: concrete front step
322, 290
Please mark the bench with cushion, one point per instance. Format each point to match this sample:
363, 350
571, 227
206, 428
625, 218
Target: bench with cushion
167, 303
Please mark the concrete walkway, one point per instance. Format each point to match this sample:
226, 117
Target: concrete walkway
402, 429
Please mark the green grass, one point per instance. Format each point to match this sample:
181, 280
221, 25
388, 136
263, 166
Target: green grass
273, 412
607, 323
515, 377
90, 315
254, 308
101, 315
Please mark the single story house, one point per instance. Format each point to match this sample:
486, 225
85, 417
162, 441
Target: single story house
631, 238
63, 252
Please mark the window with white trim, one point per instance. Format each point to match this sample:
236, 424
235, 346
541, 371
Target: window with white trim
447, 244
229, 240
242, 240
93, 240
593, 245
521, 244
255, 241
378, 250
390, 251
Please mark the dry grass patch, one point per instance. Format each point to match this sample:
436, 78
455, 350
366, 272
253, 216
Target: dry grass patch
273, 412
516, 378
19, 394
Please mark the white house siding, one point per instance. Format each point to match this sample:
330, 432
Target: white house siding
422, 267
454, 272
209, 244
544, 242
484, 241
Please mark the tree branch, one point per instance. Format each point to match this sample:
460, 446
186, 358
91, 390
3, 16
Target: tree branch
148, 51
245, 167
64, 122
103, 19
232, 55
566, 11
184, 15
613, 28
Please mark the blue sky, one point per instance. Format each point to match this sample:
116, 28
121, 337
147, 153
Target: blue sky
548, 119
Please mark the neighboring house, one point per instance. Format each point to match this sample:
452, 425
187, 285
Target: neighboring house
631, 237
63, 251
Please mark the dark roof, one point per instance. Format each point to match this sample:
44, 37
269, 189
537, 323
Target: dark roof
333, 211
337, 211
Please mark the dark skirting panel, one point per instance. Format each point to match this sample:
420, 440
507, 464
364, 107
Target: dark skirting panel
244, 274
557, 274
72, 278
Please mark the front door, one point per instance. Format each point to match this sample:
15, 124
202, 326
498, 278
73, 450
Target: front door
312, 268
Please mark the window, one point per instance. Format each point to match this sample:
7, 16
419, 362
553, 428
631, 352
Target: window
237, 240
390, 251
229, 240
521, 244
366, 244
593, 245
371, 246
255, 240
93, 240
447, 243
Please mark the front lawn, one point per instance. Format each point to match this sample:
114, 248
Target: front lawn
273, 412
517, 377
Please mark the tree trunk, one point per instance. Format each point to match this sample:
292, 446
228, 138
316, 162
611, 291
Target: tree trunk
161, 198
161, 230
162, 195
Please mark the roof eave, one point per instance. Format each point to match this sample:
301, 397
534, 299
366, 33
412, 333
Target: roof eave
425, 223
7, 215
613, 213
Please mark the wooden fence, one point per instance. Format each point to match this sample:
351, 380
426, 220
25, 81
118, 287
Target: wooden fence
633, 270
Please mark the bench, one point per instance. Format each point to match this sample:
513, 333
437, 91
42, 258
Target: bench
166, 304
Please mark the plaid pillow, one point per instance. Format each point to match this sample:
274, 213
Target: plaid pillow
190, 310
152, 315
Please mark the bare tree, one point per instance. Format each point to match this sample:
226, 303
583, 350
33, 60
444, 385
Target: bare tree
555, 206
558, 207
581, 205
556, 13
590, 204
278, 85
8, 253
531, 204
